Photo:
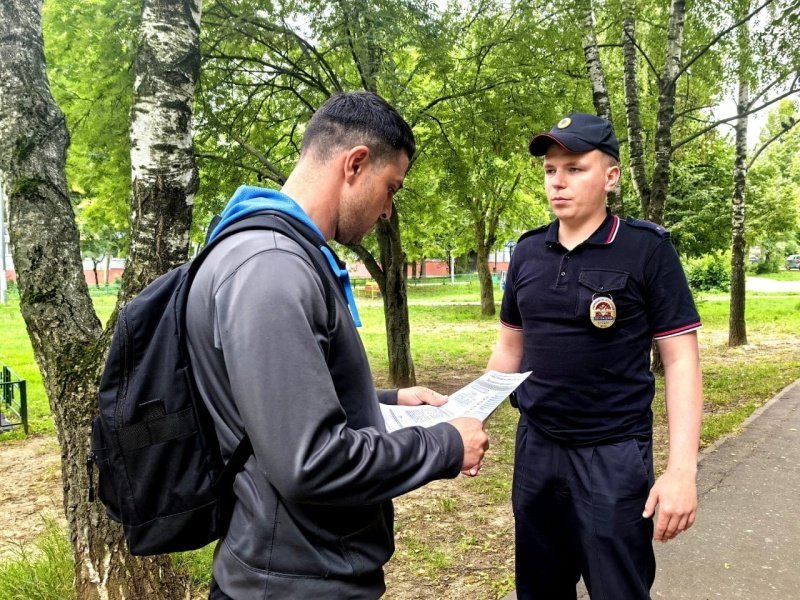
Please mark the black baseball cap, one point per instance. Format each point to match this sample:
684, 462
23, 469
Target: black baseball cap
578, 132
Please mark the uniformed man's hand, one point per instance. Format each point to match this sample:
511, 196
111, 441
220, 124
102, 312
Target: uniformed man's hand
675, 493
414, 396
476, 442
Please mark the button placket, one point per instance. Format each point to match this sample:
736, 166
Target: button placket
563, 269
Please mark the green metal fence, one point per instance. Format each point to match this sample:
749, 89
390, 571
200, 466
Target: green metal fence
13, 401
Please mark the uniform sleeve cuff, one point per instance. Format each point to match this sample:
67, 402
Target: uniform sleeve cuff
677, 331
387, 397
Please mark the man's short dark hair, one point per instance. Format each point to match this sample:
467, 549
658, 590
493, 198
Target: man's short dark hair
349, 119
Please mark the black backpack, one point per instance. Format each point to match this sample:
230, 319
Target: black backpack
160, 470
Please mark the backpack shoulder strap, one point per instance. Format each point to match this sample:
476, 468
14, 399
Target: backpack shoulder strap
292, 228
303, 235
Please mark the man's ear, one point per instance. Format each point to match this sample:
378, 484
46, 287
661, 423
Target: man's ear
355, 160
612, 177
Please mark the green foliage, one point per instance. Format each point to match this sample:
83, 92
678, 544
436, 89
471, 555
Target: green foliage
711, 272
463, 76
17, 353
43, 572
771, 264
774, 183
90, 48
698, 211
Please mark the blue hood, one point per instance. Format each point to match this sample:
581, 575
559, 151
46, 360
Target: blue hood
248, 200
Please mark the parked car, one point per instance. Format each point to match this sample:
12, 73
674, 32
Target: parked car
793, 261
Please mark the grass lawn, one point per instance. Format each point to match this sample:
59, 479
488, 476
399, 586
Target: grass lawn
454, 538
17, 353
782, 275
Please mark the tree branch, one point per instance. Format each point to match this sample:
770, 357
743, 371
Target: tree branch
719, 36
278, 175
767, 87
260, 172
687, 111
462, 94
369, 261
715, 124
775, 137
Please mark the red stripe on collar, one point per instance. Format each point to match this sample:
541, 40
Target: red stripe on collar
614, 228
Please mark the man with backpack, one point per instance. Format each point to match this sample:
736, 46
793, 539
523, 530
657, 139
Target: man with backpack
277, 358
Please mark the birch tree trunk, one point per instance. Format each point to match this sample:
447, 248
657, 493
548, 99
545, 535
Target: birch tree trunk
653, 195
597, 80
666, 111
163, 173
633, 114
67, 339
737, 328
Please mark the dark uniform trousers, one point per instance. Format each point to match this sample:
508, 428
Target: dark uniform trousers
578, 512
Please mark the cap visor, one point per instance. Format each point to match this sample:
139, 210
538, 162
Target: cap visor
540, 143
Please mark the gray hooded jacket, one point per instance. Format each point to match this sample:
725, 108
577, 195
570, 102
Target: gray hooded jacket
313, 516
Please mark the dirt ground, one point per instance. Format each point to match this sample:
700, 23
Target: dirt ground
30, 490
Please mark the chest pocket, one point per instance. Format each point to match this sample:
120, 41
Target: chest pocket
599, 282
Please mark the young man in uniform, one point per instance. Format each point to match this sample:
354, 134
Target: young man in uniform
313, 511
584, 298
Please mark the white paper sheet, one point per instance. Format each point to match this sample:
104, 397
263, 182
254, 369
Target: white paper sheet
478, 399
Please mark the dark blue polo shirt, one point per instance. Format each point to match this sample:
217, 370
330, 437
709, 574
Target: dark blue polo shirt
589, 384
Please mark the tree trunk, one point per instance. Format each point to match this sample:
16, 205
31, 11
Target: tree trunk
96, 275
395, 303
666, 111
484, 276
108, 269
390, 276
632, 111
164, 177
737, 329
392, 284
65, 333
485, 213
597, 79
164, 182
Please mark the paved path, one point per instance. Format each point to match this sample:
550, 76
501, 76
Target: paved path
746, 541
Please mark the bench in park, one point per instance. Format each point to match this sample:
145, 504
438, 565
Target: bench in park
13, 401
370, 289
